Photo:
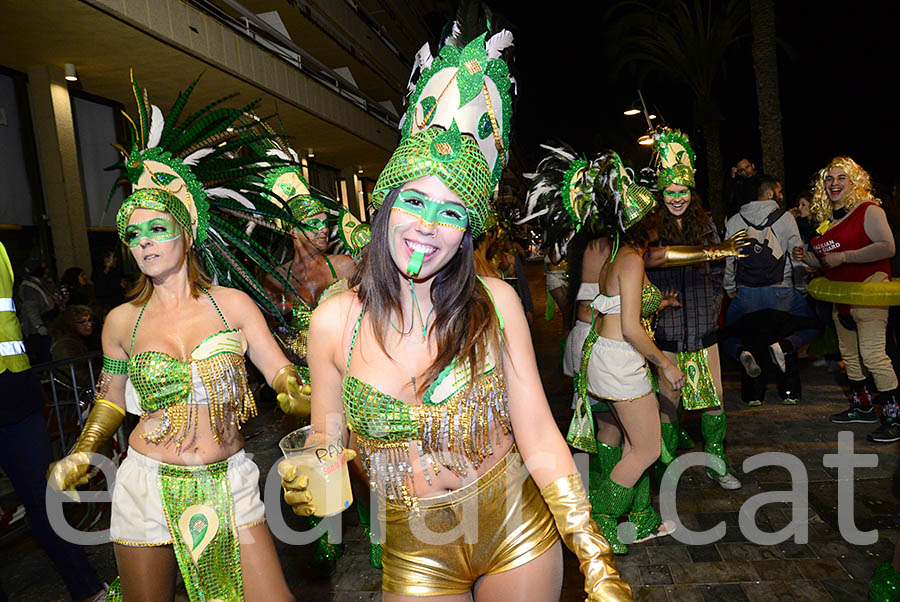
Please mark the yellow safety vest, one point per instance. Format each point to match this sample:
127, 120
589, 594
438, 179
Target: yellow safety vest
12, 349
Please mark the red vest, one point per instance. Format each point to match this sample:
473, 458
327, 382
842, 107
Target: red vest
849, 235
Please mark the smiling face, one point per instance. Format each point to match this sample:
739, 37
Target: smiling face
677, 199
155, 241
837, 185
427, 223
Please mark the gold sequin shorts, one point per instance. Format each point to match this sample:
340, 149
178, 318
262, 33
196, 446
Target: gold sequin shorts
494, 524
137, 517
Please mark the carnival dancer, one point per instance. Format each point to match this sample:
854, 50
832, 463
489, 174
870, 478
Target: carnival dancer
312, 273
433, 369
853, 248
686, 260
186, 492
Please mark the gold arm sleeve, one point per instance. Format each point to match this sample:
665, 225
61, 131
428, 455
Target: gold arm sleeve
101, 423
293, 393
689, 254
568, 502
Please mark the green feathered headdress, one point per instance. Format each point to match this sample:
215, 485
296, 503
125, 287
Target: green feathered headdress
674, 159
213, 180
458, 122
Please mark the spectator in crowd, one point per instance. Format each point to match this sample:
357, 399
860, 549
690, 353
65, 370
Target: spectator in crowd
39, 302
800, 211
77, 287
25, 448
739, 188
74, 334
110, 282
768, 312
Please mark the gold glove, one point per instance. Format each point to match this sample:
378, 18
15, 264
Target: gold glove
690, 254
293, 393
101, 423
568, 502
296, 485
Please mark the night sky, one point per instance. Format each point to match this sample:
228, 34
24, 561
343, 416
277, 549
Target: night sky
839, 88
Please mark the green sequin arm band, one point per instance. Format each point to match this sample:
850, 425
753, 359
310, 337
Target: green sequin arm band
115, 366
199, 510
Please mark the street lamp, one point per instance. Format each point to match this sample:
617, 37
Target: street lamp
71, 74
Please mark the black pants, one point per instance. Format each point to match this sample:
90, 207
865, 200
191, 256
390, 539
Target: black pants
756, 331
25, 458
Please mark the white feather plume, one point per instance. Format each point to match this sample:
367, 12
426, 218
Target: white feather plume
227, 193
278, 154
422, 61
156, 126
498, 42
195, 156
559, 151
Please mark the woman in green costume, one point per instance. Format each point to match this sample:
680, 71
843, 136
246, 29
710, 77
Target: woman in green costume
433, 368
186, 496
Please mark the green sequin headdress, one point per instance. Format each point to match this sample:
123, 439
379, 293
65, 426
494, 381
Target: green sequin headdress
213, 180
457, 124
674, 159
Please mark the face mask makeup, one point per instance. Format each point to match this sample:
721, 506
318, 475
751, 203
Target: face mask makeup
437, 213
159, 229
313, 224
677, 194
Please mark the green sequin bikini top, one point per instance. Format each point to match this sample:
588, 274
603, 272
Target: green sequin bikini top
166, 383
451, 429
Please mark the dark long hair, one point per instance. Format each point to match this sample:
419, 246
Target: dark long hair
694, 223
464, 318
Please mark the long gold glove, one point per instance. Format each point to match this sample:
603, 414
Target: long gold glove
296, 485
690, 254
101, 423
568, 502
293, 393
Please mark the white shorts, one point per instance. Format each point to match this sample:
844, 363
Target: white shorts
137, 517
574, 345
617, 372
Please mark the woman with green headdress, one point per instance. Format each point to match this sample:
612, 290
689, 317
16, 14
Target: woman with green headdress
433, 368
687, 260
187, 496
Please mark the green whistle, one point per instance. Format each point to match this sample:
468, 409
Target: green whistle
415, 263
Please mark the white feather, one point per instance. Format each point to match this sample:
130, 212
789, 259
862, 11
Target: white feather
528, 218
559, 152
156, 126
227, 193
422, 61
195, 156
277, 153
498, 42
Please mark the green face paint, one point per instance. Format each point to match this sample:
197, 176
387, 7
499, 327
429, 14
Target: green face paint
312, 224
159, 229
438, 213
676, 194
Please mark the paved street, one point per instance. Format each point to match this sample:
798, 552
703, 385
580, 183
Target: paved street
821, 568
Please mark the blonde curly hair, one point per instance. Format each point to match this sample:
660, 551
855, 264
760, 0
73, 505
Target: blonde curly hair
861, 191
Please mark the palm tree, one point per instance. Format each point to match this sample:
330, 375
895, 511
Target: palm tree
686, 41
765, 66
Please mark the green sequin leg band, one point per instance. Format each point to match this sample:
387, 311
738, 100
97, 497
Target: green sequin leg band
613, 501
699, 391
581, 429
684, 440
599, 467
885, 586
199, 510
713, 429
668, 443
362, 511
326, 553
642, 513
114, 593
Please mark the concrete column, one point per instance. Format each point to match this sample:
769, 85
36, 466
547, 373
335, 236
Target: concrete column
57, 149
354, 202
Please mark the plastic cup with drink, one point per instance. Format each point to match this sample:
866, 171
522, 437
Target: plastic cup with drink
318, 453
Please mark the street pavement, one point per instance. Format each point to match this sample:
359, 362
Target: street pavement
819, 566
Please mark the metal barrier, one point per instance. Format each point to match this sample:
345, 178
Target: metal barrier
69, 385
